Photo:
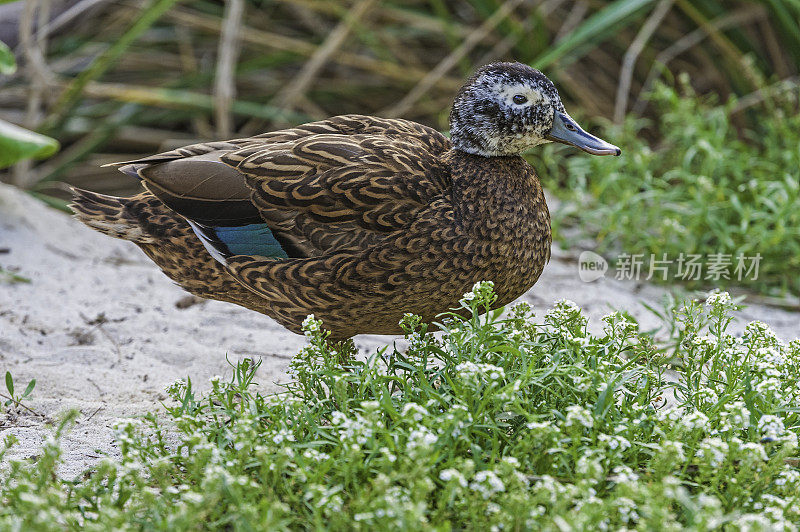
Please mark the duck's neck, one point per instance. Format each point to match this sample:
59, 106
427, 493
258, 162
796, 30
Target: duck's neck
466, 142
497, 172
475, 141
499, 189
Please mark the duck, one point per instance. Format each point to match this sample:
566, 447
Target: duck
357, 220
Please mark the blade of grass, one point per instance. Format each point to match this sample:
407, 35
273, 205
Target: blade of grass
227, 59
186, 100
7, 64
17, 144
12, 277
442, 12
89, 144
593, 30
689, 41
56, 203
275, 41
787, 21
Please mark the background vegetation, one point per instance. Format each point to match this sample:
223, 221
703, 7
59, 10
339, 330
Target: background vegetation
112, 79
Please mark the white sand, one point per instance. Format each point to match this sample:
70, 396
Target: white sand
120, 368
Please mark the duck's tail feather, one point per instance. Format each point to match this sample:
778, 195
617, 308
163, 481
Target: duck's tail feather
109, 215
167, 239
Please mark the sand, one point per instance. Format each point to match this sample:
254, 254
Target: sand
103, 331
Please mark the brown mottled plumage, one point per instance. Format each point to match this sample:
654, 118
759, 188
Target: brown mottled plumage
354, 219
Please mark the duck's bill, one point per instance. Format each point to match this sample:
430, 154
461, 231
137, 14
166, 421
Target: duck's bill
565, 130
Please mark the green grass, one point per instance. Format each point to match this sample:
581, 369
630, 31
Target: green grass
707, 187
499, 423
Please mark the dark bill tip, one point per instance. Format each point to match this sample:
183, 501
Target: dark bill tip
566, 131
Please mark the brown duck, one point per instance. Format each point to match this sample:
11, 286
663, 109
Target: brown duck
356, 219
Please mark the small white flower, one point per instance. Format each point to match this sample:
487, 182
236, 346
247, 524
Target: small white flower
588, 466
618, 325
415, 411
755, 450
281, 436
487, 483
721, 299
388, 454
695, 421
615, 442
577, 415
771, 426
177, 387
311, 325
705, 341
789, 478
624, 475
714, 451
370, 405
421, 439
481, 286
627, 509
534, 425
447, 475
470, 372
673, 449
735, 416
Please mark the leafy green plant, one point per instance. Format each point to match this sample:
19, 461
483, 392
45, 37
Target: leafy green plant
16, 143
706, 188
7, 63
9, 276
501, 422
11, 398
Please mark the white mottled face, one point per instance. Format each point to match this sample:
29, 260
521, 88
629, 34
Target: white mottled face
504, 109
519, 95
524, 100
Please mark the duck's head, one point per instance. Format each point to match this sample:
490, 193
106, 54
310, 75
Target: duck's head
506, 108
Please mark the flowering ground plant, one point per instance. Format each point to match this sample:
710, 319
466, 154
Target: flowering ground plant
501, 422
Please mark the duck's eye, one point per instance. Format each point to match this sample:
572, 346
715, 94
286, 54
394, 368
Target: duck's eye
519, 99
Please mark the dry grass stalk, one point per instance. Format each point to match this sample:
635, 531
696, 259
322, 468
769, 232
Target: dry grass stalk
446, 64
632, 54
689, 41
227, 58
297, 87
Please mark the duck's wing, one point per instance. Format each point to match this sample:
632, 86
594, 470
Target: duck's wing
345, 190
327, 186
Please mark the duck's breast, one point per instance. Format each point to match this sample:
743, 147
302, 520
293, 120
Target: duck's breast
500, 204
